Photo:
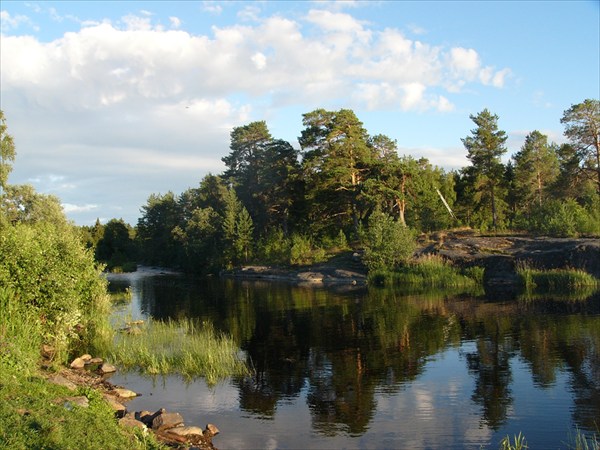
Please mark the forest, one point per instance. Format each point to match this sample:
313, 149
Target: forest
278, 204
344, 188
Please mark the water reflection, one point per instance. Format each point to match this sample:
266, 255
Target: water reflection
342, 353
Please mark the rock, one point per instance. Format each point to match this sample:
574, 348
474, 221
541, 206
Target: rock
211, 430
107, 368
124, 393
62, 381
77, 363
48, 351
86, 358
130, 421
96, 361
146, 417
187, 431
119, 409
165, 421
80, 401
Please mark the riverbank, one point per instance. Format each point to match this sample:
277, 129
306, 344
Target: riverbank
499, 255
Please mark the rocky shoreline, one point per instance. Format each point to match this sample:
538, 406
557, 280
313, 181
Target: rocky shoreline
169, 428
499, 255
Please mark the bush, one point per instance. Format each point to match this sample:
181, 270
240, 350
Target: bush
387, 243
302, 251
54, 278
275, 248
562, 218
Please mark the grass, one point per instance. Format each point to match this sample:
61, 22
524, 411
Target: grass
181, 346
430, 271
33, 411
561, 281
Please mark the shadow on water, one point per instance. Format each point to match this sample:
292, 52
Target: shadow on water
461, 370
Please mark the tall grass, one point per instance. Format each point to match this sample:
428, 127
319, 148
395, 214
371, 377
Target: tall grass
430, 271
556, 280
182, 346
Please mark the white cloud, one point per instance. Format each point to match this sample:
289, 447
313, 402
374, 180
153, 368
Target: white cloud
70, 208
126, 98
8, 22
212, 7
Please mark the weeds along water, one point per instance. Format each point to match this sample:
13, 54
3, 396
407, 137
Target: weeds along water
183, 346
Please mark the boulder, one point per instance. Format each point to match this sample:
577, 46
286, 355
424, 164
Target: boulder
86, 358
117, 407
124, 393
107, 368
130, 421
80, 401
186, 431
77, 363
210, 430
95, 361
165, 421
62, 381
48, 351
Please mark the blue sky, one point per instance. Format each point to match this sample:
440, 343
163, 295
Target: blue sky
110, 102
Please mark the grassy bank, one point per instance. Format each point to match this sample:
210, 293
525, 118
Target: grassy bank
183, 346
429, 271
35, 413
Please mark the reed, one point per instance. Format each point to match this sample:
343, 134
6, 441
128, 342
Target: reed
178, 346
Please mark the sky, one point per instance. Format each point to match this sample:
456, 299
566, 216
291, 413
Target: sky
110, 102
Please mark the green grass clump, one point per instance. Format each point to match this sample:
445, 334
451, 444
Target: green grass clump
182, 346
430, 271
556, 280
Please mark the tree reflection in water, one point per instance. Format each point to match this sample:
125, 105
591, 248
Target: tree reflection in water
342, 348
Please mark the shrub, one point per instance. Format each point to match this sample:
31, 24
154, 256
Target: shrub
51, 274
303, 252
387, 243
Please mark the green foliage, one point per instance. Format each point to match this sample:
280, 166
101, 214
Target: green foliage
304, 252
7, 152
20, 333
116, 247
561, 218
387, 243
53, 276
274, 248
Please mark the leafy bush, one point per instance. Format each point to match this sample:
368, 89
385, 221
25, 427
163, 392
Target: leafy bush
562, 218
387, 243
53, 277
303, 252
275, 248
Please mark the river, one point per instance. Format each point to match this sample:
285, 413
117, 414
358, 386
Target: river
359, 367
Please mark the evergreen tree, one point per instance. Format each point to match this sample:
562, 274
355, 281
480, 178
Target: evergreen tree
484, 147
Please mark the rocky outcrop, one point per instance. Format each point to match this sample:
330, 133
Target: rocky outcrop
501, 255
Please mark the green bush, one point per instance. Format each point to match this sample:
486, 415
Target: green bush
562, 218
303, 252
54, 277
387, 243
275, 248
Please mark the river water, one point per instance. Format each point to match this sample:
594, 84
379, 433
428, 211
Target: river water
358, 367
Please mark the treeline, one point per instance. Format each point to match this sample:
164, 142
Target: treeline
275, 203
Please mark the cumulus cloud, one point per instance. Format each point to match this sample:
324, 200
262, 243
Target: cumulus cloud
129, 96
9, 22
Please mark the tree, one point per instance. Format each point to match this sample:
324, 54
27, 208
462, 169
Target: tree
116, 247
484, 147
535, 168
582, 128
244, 166
7, 153
337, 160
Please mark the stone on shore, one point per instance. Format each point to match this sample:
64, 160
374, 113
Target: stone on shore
117, 407
107, 368
165, 421
129, 421
62, 381
77, 363
187, 431
211, 430
124, 393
